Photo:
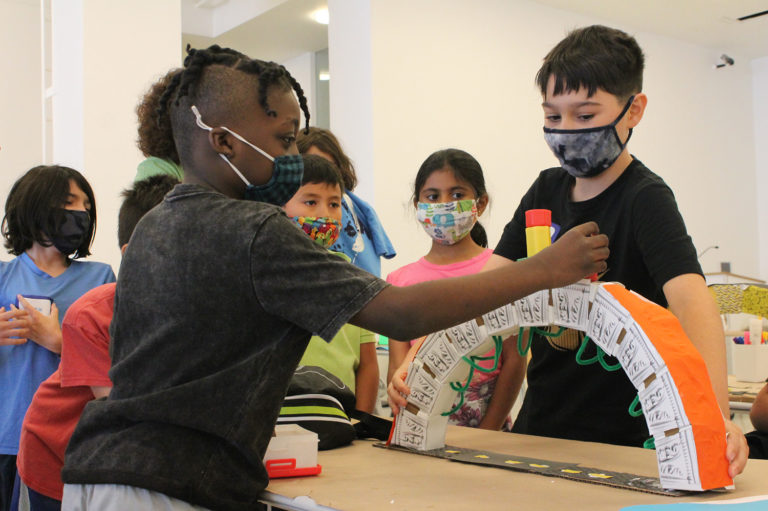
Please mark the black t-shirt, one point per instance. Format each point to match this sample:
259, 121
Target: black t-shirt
214, 307
649, 246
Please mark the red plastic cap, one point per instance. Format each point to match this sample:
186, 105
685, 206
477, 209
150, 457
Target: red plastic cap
536, 217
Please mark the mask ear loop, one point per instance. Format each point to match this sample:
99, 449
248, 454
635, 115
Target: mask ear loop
620, 117
201, 124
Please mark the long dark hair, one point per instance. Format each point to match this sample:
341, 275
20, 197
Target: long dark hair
465, 168
33, 208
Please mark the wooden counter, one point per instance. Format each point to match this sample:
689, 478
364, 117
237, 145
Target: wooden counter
363, 477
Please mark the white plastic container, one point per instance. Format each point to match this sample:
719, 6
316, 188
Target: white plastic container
292, 452
750, 362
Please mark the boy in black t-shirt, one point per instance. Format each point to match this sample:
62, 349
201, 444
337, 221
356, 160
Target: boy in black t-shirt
591, 84
219, 293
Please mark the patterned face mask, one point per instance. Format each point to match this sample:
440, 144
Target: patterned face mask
287, 172
588, 152
323, 230
447, 222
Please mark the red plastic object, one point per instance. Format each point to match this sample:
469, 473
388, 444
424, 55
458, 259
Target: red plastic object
287, 468
536, 217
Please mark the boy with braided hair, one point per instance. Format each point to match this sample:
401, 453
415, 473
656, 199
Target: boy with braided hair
230, 291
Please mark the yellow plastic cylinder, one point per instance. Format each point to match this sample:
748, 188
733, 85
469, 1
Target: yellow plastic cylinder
537, 238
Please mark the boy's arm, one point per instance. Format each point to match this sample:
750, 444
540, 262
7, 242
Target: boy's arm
367, 378
85, 359
99, 392
496, 261
690, 300
507, 388
413, 311
759, 413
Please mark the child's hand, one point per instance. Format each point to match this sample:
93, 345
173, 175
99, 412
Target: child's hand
737, 449
42, 329
397, 388
13, 323
579, 252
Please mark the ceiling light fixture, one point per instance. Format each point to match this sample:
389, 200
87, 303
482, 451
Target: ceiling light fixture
321, 16
323, 76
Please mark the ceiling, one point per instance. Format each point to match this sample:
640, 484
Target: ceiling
709, 23
284, 28
280, 33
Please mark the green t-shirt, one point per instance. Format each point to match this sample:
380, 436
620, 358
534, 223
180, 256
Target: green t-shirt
341, 356
153, 166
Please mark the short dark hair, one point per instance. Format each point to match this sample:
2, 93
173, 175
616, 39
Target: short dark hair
466, 168
217, 80
155, 132
328, 143
138, 200
594, 57
34, 204
319, 170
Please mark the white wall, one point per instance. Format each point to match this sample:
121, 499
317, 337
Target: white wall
106, 55
302, 68
20, 94
465, 79
760, 91
407, 81
118, 66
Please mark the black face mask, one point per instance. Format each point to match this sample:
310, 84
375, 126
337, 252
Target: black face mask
71, 232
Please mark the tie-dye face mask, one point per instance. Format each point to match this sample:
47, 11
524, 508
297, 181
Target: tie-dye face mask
447, 222
323, 230
588, 152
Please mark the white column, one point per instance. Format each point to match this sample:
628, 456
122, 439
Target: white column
106, 54
351, 92
66, 90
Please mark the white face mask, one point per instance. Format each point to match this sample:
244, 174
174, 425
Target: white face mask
447, 222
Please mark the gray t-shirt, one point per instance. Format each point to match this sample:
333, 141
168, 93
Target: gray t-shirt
214, 307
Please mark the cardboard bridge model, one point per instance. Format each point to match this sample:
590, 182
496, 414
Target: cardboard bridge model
673, 385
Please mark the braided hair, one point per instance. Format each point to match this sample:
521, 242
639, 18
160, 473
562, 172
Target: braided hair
218, 80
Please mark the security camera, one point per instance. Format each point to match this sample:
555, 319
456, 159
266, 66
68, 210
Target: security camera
725, 60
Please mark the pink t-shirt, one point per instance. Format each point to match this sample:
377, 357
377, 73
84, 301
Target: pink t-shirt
477, 397
422, 270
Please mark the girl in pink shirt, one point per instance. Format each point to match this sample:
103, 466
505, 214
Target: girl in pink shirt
449, 196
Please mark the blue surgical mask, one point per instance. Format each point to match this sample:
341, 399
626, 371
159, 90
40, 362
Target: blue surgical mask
287, 172
588, 152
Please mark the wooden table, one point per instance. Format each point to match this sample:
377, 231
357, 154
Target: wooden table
363, 477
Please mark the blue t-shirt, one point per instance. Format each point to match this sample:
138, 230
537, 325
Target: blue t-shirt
363, 241
24, 367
